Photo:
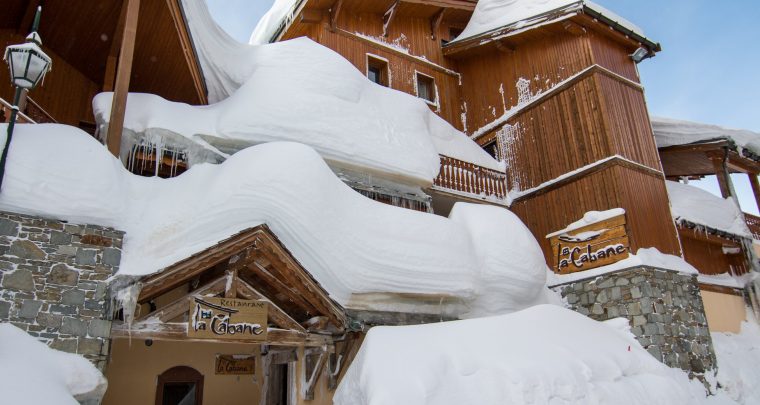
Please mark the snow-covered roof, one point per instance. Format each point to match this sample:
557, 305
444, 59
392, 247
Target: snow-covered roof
32, 373
671, 132
272, 20
692, 204
297, 91
492, 15
542, 355
350, 244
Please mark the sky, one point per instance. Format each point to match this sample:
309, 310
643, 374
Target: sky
708, 70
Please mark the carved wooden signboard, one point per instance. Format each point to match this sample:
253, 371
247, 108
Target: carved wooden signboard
234, 364
227, 318
590, 246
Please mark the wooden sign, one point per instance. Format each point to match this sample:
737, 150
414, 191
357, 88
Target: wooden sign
231, 364
227, 318
590, 246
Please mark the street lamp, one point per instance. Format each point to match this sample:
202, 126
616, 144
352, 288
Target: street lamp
28, 65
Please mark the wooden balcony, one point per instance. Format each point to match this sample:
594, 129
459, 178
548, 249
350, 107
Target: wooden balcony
464, 177
753, 223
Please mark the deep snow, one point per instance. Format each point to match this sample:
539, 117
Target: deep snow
349, 243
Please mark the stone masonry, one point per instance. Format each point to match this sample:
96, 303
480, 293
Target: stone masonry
664, 309
52, 281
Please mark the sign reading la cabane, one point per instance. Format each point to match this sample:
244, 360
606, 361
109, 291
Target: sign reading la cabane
227, 318
591, 246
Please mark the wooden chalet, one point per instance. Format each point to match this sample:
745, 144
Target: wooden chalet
558, 99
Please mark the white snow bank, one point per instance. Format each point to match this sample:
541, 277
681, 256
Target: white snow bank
542, 355
301, 91
590, 217
738, 358
644, 257
32, 373
728, 280
698, 206
349, 243
670, 132
501, 241
491, 15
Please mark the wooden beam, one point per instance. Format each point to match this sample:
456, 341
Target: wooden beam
25, 25
389, 15
717, 161
755, 187
181, 305
455, 4
435, 23
109, 77
311, 16
123, 73
334, 13
573, 27
187, 49
504, 47
177, 331
275, 313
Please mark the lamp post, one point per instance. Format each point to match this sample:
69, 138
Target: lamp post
28, 65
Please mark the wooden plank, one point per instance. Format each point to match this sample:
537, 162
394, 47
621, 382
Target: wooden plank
178, 332
334, 13
435, 23
452, 4
188, 51
123, 73
720, 173
389, 16
179, 307
275, 314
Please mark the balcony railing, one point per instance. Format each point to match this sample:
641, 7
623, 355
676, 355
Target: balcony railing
5, 114
753, 223
464, 177
37, 113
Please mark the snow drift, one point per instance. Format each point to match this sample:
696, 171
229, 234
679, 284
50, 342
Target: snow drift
689, 203
294, 91
490, 15
349, 243
32, 373
670, 132
542, 355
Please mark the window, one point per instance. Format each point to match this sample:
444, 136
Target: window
426, 88
492, 150
180, 385
377, 70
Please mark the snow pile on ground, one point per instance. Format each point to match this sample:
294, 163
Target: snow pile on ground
349, 243
692, 204
738, 358
651, 257
670, 132
491, 15
542, 355
32, 373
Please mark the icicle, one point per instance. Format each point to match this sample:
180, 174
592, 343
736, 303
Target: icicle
126, 300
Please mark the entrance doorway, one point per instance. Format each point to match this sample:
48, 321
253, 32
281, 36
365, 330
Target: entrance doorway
180, 385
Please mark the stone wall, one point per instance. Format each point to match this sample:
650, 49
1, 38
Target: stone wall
53, 276
664, 308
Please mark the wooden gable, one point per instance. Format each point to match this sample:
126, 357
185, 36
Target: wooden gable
253, 265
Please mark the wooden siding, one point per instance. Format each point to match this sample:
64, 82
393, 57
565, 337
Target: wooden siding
402, 66
544, 62
707, 255
66, 93
610, 54
642, 195
627, 121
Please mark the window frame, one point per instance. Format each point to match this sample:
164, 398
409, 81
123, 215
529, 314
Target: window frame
383, 64
433, 88
180, 374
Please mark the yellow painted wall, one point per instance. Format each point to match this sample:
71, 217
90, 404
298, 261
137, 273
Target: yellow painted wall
134, 369
725, 312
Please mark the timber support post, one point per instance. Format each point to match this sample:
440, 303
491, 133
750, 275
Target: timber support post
123, 73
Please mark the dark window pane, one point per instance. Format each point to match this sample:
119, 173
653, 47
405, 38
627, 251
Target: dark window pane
179, 393
373, 73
